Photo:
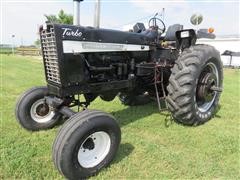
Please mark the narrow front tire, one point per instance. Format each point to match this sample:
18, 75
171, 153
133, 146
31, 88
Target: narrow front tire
85, 144
33, 113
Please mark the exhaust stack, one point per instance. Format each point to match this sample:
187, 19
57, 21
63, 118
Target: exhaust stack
76, 12
97, 14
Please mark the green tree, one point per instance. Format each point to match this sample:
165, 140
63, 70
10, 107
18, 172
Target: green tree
61, 18
37, 43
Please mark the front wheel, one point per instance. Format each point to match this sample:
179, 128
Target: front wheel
85, 144
195, 85
33, 113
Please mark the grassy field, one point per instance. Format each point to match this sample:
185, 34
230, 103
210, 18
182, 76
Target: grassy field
6, 50
149, 149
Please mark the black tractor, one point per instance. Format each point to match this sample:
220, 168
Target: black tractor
140, 66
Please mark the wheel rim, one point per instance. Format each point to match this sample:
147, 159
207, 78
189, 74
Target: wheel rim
94, 149
41, 112
208, 79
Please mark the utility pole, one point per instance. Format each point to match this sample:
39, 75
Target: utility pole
13, 44
22, 41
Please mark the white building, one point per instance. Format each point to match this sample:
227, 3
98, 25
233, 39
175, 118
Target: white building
223, 44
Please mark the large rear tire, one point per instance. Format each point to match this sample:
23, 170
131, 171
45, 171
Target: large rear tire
33, 113
85, 144
195, 85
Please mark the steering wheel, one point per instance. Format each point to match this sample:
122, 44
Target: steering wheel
158, 24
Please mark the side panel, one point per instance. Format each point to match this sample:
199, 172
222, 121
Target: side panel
87, 46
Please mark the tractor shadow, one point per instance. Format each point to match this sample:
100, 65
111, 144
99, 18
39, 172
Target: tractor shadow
124, 151
216, 114
134, 113
128, 116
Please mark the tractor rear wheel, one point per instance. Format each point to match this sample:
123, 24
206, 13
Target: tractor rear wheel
195, 85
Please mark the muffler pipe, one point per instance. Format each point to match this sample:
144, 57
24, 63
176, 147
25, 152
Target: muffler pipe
76, 12
97, 14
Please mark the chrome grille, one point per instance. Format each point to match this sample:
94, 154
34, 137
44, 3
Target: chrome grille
50, 56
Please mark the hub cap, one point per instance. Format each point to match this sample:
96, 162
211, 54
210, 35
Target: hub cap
40, 112
94, 149
205, 94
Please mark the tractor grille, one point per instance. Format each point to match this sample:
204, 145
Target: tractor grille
50, 56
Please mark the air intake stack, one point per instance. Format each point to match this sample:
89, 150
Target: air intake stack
76, 12
97, 14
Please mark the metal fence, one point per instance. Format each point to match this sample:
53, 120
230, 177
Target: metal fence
28, 51
24, 51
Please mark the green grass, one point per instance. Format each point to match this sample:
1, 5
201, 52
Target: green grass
6, 50
149, 149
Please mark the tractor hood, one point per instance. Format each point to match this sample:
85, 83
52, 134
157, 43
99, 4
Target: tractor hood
80, 33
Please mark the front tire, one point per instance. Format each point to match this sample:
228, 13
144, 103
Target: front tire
195, 85
85, 144
33, 113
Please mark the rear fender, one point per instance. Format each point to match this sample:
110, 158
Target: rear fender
185, 38
203, 33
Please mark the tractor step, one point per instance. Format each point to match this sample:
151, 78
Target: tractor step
162, 106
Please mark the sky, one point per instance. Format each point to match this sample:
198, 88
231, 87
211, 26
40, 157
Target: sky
23, 17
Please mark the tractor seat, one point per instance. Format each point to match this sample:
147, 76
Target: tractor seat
171, 32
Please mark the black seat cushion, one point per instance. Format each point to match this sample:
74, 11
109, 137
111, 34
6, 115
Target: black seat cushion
171, 32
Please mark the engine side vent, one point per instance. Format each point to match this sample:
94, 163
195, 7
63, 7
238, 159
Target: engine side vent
50, 56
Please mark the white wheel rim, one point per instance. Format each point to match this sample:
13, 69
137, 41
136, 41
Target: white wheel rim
38, 118
207, 105
94, 149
